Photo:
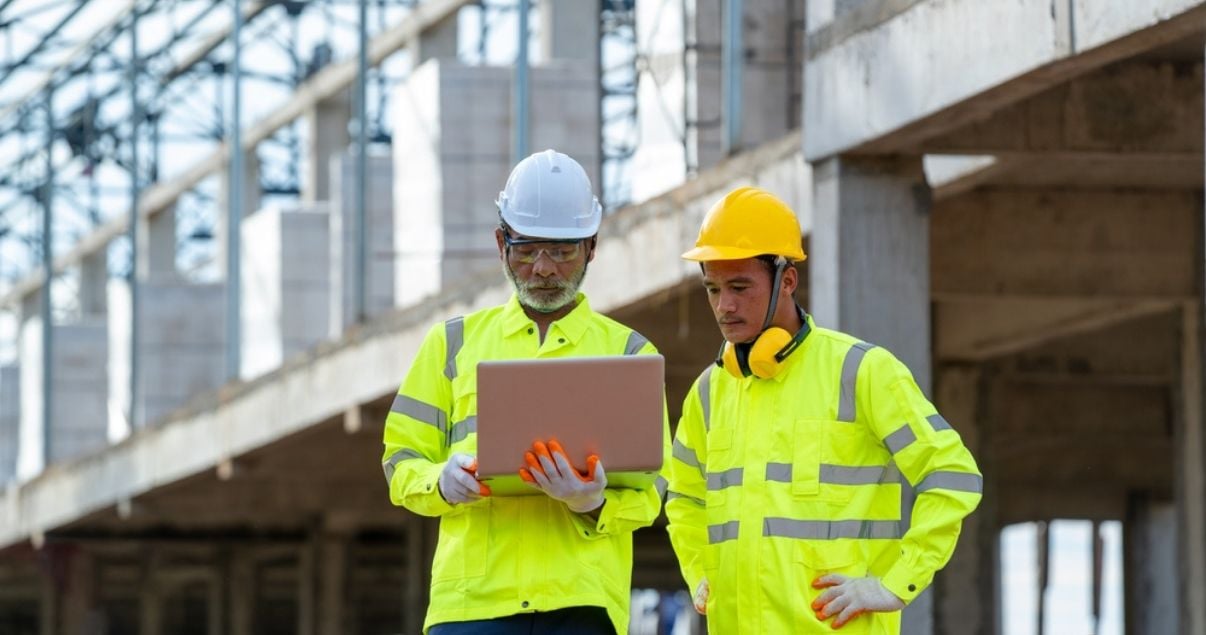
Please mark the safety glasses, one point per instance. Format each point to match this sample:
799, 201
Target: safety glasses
527, 250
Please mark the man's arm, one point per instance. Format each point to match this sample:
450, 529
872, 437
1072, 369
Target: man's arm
416, 431
931, 455
685, 506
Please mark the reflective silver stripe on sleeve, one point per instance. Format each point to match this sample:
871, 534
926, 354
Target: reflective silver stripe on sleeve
723, 532
462, 429
391, 464
727, 478
671, 495
688, 456
420, 411
846, 400
830, 529
454, 331
938, 422
956, 481
705, 398
900, 439
660, 485
778, 472
636, 342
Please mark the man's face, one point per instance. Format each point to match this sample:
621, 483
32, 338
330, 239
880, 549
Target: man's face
546, 275
739, 292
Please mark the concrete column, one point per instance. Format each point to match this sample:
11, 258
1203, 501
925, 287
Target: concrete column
1189, 488
48, 609
1149, 555
327, 123
869, 260
241, 593
437, 42
306, 578
79, 594
157, 245
964, 592
251, 203
333, 550
10, 421
150, 597
94, 279
869, 275
570, 31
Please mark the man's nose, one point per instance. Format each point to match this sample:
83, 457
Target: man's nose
726, 302
543, 266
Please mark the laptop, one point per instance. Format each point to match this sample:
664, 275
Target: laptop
609, 406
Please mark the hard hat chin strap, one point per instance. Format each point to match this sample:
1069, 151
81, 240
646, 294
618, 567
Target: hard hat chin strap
780, 267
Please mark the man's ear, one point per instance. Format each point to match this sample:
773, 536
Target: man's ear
502, 246
790, 281
590, 249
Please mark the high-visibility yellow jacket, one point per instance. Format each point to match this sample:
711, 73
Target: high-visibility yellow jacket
775, 482
506, 555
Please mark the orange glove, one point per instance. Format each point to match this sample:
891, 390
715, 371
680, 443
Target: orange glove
550, 471
458, 481
847, 598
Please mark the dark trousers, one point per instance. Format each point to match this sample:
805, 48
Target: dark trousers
576, 620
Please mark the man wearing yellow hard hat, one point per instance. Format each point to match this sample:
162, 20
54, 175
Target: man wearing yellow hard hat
785, 484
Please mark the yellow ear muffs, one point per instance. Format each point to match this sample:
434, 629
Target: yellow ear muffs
729, 361
763, 359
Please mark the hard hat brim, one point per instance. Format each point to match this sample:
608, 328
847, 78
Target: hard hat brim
709, 253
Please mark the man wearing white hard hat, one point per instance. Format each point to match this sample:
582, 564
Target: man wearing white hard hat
560, 563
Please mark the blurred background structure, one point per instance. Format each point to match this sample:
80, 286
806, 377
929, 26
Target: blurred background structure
225, 227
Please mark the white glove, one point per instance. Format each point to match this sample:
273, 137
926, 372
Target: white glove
457, 481
700, 600
553, 474
847, 598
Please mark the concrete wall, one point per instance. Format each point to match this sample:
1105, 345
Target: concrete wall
182, 344
680, 95
285, 288
79, 408
452, 123
10, 420
379, 213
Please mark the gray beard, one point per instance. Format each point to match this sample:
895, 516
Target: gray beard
567, 291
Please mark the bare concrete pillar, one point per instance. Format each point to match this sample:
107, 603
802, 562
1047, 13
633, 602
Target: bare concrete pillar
94, 279
869, 275
1189, 487
1149, 554
964, 591
79, 594
438, 41
327, 123
251, 203
306, 574
48, 604
333, 550
156, 237
570, 31
150, 598
241, 592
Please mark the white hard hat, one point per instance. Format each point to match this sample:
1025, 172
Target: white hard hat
548, 195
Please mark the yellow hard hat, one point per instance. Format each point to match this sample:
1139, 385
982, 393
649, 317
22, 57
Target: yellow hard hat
746, 223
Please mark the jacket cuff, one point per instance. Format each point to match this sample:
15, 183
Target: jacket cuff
906, 582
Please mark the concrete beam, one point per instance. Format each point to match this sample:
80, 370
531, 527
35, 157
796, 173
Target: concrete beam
1147, 108
1095, 244
911, 59
982, 329
331, 80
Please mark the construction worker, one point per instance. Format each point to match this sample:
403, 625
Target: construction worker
785, 494
558, 563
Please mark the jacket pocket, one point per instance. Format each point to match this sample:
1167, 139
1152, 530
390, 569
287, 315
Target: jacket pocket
807, 441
